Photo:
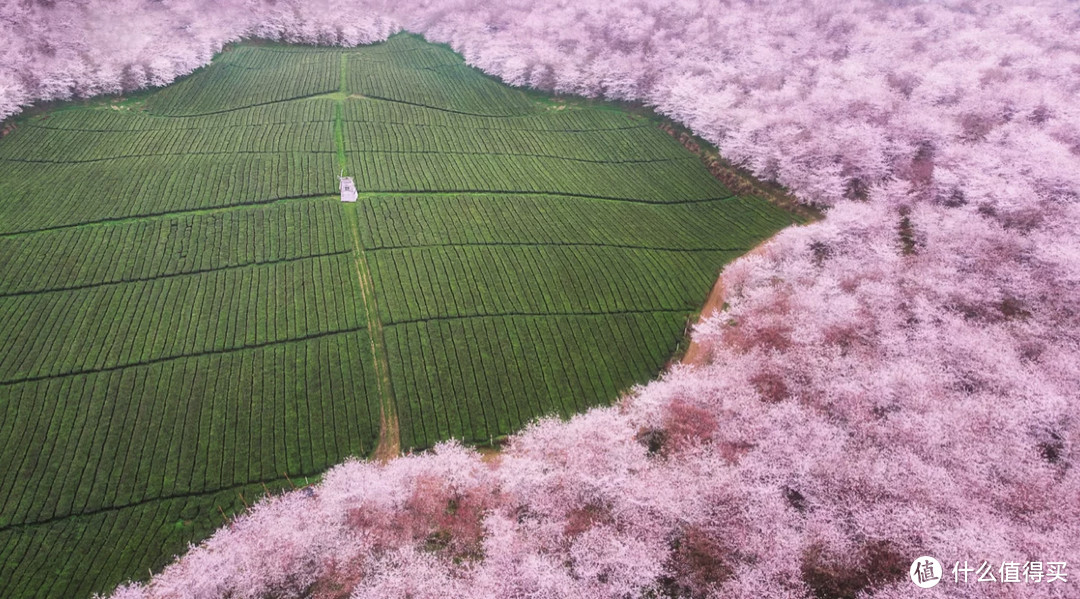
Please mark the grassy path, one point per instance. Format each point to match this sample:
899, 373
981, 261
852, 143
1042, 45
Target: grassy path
339, 107
389, 445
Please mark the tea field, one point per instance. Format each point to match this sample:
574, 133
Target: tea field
189, 316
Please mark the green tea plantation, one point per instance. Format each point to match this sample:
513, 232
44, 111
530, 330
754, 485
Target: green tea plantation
190, 317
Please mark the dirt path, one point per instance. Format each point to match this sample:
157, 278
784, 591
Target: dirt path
695, 353
389, 434
389, 446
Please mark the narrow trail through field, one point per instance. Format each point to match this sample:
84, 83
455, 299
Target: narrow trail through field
339, 107
389, 445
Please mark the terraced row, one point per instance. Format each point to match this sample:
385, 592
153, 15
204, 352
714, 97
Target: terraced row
39, 197
102, 548
546, 119
459, 281
481, 378
251, 76
628, 144
450, 87
152, 248
58, 145
131, 119
404, 220
111, 326
84, 443
649, 183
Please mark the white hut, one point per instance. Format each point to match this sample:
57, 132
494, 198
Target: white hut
348, 189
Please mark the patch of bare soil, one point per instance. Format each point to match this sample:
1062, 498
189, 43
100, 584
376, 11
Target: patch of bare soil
389, 446
490, 455
696, 354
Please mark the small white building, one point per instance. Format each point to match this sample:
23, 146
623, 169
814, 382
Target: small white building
348, 189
